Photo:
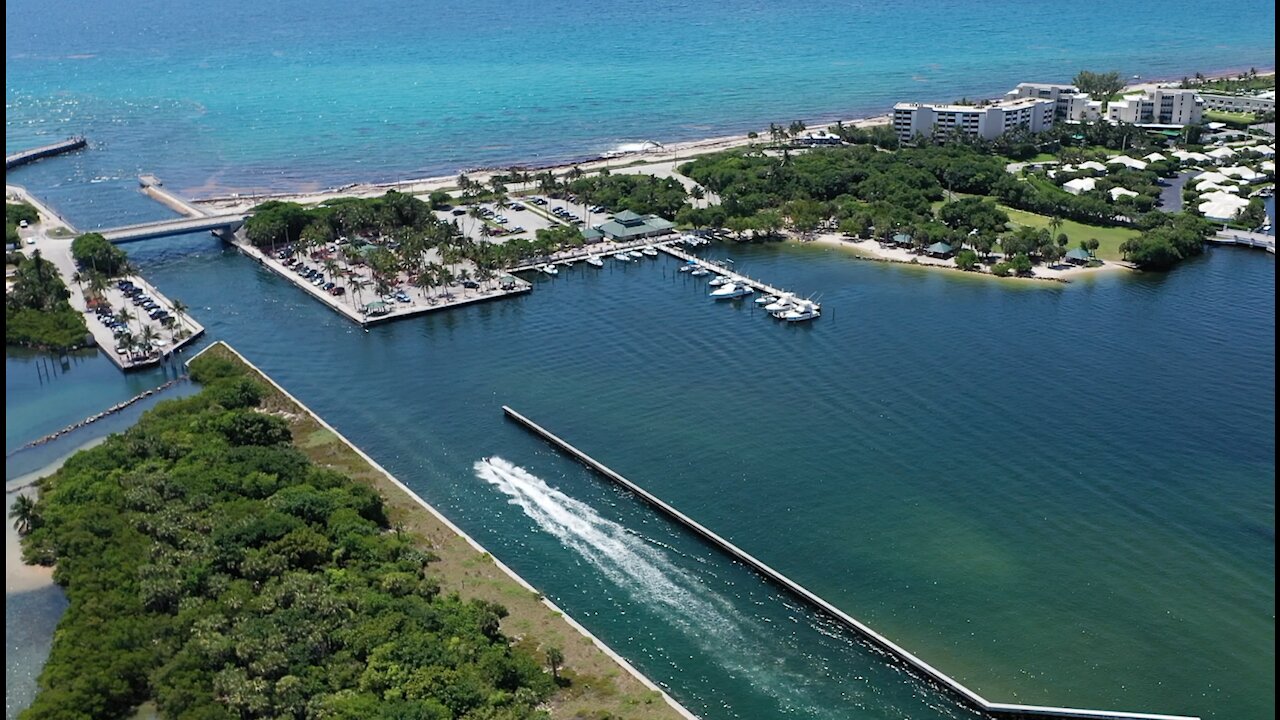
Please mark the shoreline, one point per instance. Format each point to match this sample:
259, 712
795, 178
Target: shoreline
233, 200
20, 577
476, 549
870, 250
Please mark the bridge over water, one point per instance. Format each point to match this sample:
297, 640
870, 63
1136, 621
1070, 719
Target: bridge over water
227, 222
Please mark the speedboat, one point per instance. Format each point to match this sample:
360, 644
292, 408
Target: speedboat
595, 261
550, 269
650, 251
730, 290
636, 254
688, 266
700, 271
766, 299
718, 280
622, 257
803, 311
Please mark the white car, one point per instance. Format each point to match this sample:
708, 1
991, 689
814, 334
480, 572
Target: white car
31, 241
22, 223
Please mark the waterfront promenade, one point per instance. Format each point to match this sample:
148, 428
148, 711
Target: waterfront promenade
1244, 238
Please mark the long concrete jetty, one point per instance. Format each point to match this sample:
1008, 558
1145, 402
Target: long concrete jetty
27, 156
902, 655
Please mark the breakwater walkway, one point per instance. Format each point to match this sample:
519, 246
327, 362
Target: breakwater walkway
23, 157
897, 652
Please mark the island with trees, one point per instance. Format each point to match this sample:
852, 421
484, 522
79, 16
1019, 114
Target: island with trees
228, 557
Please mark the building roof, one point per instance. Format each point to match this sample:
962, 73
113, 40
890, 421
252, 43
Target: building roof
1155, 157
1127, 162
1093, 165
1119, 192
1243, 173
1222, 152
1188, 156
1078, 254
902, 239
627, 224
1221, 206
1080, 185
939, 248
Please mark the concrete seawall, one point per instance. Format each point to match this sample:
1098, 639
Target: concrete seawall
27, 156
900, 654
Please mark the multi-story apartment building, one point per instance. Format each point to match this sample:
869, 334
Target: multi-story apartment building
986, 121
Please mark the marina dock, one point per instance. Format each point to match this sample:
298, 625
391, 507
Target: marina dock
736, 277
23, 157
895, 651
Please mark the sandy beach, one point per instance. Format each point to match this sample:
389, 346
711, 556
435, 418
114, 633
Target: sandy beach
1062, 272
18, 576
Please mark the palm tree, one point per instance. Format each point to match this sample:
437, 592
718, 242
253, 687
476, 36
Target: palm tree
180, 309
1055, 224
425, 279
148, 338
24, 514
124, 316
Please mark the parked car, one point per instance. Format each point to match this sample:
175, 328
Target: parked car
337, 290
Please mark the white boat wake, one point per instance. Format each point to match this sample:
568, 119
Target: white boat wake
648, 574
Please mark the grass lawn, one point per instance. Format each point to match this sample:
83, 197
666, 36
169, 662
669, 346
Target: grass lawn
1234, 119
1108, 237
595, 686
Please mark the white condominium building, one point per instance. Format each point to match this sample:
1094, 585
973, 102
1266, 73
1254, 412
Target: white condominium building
1159, 106
1264, 102
1069, 102
985, 121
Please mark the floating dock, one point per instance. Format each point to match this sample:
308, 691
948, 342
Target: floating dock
23, 157
941, 679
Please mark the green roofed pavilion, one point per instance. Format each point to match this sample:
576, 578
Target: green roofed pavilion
627, 225
902, 239
940, 248
1078, 255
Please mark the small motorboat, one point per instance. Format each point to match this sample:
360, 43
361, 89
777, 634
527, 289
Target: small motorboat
636, 254
730, 290
700, 271
650, 251
766, 299
718, 280
622, 257
688, 266
783, 302
550, 269
595, 261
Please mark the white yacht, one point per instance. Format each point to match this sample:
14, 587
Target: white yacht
718, 280
550, 269
781, 303
700, 271
650, 251
803, 311
636, 254
622, 257
688, 267
595, 261
730, 290
766, 299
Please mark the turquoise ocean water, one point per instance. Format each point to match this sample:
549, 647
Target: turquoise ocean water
1059, 495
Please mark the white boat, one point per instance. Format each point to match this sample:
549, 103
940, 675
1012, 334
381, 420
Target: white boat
636, 254
718, 280
595, 261
783, 302
622, 257
766, 299
687, 267
730, 290
700, 271
550, 269
803, 311
651, 252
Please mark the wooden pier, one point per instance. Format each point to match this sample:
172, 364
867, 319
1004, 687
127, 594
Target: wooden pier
29, 156
897, 652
